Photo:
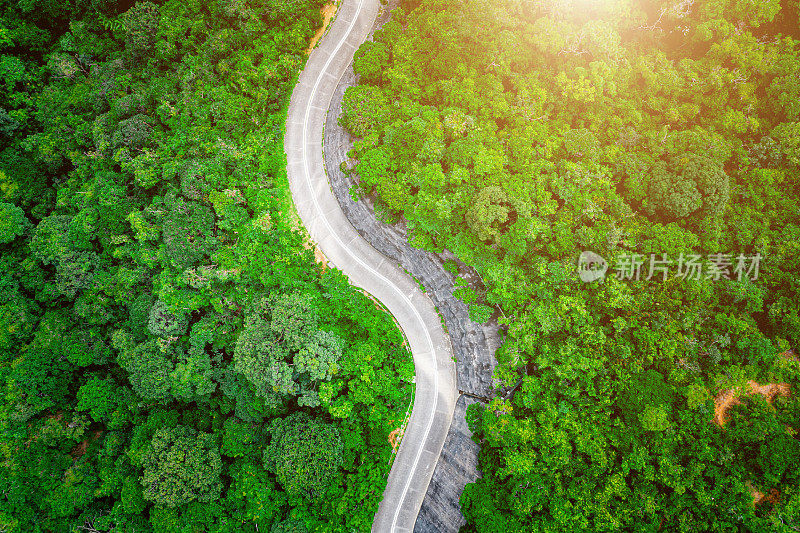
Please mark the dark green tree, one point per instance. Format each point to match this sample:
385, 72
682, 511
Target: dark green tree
305, 453
181, 466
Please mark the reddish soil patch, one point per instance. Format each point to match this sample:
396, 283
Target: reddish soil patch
773, 497
730, 397
80, 449
320, 258
327, 11
395, 437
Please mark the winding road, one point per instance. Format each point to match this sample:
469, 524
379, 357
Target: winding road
368, 269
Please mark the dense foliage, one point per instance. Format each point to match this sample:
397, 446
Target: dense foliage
519, 134
171, 356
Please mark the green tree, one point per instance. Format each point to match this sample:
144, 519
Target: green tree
181, 466
305, 453
97, 396
188, 231
148, 365
289, 526
13, 222
141, 23
163, 323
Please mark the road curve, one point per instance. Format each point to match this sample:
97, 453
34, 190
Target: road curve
367, 268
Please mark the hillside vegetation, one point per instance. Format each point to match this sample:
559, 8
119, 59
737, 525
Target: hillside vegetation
519, 134
172, 359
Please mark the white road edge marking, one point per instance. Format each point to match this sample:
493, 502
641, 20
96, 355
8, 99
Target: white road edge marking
376, 273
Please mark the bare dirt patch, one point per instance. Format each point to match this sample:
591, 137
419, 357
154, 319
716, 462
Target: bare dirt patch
395, 437
727, 398
327, 11
730, 397
80, 449
320, 258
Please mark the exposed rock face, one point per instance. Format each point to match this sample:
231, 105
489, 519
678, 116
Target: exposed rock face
457, 466
474, 344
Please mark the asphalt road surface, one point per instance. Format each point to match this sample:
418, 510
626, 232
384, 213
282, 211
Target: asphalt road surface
327, 225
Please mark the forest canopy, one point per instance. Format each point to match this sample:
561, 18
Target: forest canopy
520, 134
172, 358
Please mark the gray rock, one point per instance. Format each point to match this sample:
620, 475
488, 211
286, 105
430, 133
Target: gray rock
474, 344
457, 466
